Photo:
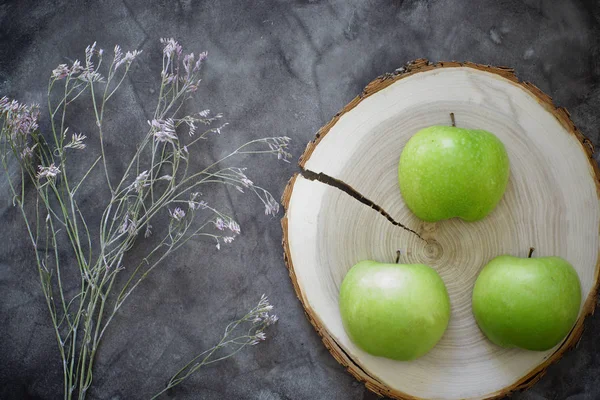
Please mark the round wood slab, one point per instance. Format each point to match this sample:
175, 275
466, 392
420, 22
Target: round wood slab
346, 207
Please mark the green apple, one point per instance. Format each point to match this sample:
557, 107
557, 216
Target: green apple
398, 311
446, 172
531, 303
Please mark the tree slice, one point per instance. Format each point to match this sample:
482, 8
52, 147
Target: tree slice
347, 207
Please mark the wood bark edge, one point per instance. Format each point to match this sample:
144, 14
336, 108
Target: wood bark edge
411, 68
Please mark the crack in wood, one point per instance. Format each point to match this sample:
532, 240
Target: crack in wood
346, 188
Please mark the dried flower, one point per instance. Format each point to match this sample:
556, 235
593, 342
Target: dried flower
89, 52
118, 56
241, 176
60, 72
219, 128
177, 214
195, 205
148, 232
76, 142
90, 76
233, 227
192, 88
279, 145
125, 225
50, 172
230, 224
271, 205
188, 61
260, 318
128, 59
76, 68
20, 120
129, 208
171, 47
28, 152
192, 129
191, 65
128, 225
164, 130
219, 224
170, 50
201, 57
140, 182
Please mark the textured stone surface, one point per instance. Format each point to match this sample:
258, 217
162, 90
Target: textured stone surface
274, 68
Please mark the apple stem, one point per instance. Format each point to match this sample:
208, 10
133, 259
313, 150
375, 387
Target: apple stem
531, 249
398, 252
452, 118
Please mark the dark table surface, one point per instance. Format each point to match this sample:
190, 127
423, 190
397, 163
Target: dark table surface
274, 68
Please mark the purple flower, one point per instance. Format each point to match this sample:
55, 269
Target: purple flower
271, 205
28, 152
278, 145
188, 60
140, 182
171, 47
195, 205
19, 120
124, 225
192, 127
89, 75
89, 52
50, 172
76, 68
76, 141
201, 57
164, 130
233, 227
60, 72
191, 65
177, 214
128, 59
118, 55
219, 224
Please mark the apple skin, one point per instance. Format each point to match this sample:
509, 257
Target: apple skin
531, 303
398, 311
446, 172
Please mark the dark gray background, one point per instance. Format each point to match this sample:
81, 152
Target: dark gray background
274, 68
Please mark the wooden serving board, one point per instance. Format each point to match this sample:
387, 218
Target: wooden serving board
346, 206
